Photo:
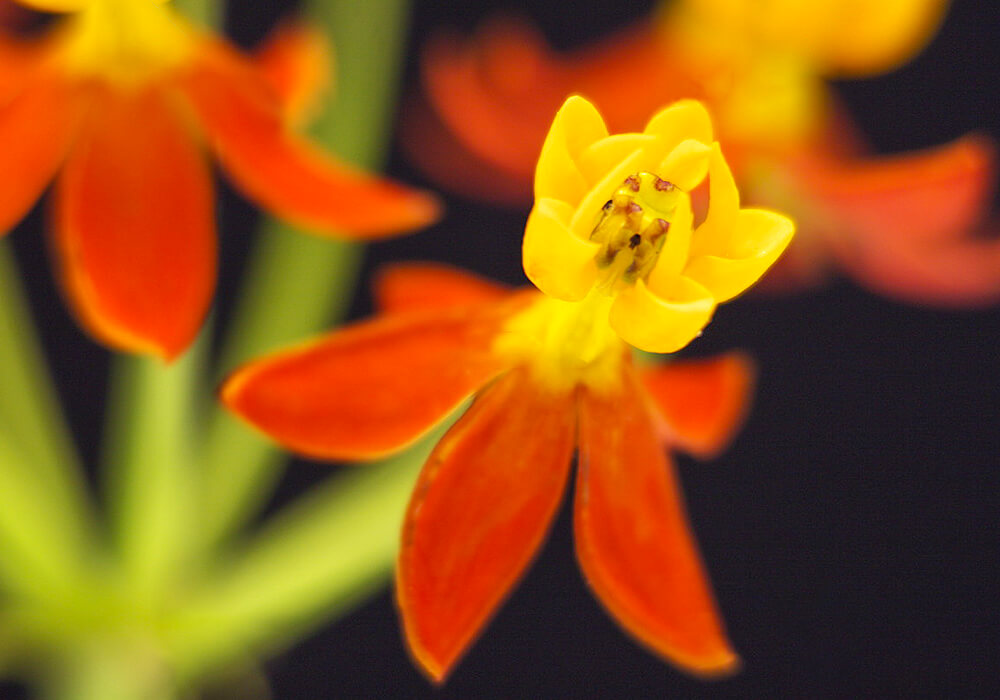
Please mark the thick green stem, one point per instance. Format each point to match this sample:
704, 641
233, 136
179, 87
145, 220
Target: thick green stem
150, 466
32, 423
297, 285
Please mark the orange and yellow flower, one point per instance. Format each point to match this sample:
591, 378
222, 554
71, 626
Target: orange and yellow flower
612, 246
118, 104
904, 225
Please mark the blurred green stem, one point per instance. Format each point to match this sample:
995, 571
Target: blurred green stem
298, 284
207, 13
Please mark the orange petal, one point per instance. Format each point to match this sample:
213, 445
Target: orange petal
633, 540
369, 389
479, 512
284, 173
934, 193
134, 226
430, 286
702, 403
295, 60
36, 130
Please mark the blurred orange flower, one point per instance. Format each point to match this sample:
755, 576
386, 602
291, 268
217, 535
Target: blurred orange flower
120, 100
903, 225
611, 247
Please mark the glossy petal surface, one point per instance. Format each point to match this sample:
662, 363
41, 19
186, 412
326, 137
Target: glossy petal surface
479, 512
368, 389
286, 174
702, 403
427, 286
134, 227
633, 540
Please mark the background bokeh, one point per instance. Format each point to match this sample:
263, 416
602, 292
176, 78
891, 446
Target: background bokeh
851, 532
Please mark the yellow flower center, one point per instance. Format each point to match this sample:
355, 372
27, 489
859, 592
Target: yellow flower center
565, 343
126, 41
632, 229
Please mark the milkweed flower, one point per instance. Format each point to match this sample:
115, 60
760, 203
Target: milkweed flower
907, 225
612, 248
117, 105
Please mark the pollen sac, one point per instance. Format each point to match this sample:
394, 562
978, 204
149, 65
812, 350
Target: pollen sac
633, 227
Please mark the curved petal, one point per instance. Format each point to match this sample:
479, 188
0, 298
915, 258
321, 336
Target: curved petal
759, 238
295, 60
430, 286
286, 174
588, 210
556, 260
686, 165
633, 541
683, 120
601, 156
36, 130
134, 230
369, 389
479, 513
701, 403
577, 125
665, 321
716, 231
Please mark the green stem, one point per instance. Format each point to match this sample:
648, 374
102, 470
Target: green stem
297, 285
207, 13
32, 422
150, 463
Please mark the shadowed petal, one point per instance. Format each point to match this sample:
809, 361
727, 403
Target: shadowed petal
662, 321
632, 537
702, 403
286, 174
555, 259
479, 512
369, 389
429, 286
36, 129
134, 229
295, 60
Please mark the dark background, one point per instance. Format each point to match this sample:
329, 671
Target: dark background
851, 530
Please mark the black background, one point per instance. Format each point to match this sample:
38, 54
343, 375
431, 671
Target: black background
851, 530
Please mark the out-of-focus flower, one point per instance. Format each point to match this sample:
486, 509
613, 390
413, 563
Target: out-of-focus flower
903, 225
551, 372
119, 101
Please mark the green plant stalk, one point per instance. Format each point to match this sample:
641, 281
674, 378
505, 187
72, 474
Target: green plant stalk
151, 472
207, 13
32, 422
298, 284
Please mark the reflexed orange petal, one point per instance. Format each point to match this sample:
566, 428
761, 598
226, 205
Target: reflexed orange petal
702, 403
633, 540
295, 60
933, 193
429, 286
134, 227
284, 173
479, 512
369, 389
36, 129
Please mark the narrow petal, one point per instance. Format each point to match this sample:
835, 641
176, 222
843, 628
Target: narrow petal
683, 120
479, 512
369, 389
134, 231
295, 60
758, 239
601, 156
576, 126
702, 403
286, 174
556, 260
664, 321
429, 286
687, 164
36, 130
633, 541
716, 231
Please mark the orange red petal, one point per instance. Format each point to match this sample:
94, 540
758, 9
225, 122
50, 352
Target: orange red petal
479, 512
36, 129
702, 403
284, 173
632, 536
134, 232
295, 61
428, 286
369, 389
